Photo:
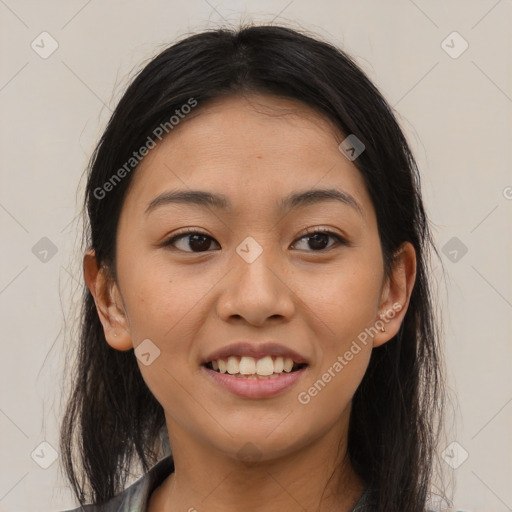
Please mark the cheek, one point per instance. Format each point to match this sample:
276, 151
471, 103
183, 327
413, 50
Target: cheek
345, 302
331, 392
159, 297
163, 306
345, 296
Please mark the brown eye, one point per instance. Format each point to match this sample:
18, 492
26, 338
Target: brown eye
192, 241
319, 240
195, 241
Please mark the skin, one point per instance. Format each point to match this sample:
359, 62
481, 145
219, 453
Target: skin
255, 150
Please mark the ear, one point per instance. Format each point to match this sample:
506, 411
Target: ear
396, 294
109, 304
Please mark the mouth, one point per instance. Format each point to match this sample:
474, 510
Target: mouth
247, 367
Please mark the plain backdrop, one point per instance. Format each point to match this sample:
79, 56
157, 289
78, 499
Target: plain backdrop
445, 67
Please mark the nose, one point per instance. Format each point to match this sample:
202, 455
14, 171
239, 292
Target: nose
256, 291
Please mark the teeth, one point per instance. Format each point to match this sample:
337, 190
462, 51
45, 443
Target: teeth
232, 365
249, 367
265, 366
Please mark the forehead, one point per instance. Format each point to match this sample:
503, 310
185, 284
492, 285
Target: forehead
250, 148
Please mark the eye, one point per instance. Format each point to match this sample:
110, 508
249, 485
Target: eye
318, 239
197, 241
201, 242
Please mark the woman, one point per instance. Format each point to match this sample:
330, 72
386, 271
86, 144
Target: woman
257, 290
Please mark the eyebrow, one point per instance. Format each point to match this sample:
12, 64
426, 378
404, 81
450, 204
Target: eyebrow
221, 202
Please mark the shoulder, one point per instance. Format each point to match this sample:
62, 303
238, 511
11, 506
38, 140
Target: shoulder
364, 503
368, 503
135, 498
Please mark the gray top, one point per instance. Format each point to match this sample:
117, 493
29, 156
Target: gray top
136, 497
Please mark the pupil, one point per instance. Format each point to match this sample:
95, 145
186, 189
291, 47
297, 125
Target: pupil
201, 246
316, 243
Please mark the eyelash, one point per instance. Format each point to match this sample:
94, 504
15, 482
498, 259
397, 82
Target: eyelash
339, 239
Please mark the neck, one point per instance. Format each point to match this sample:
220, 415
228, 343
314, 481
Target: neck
317, 477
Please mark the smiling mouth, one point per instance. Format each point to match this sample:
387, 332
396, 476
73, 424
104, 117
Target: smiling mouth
255, 368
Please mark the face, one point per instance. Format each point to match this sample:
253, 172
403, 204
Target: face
305, 277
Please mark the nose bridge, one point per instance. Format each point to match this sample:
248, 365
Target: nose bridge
256, 264
255, 290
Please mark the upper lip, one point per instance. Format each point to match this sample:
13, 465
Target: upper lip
256, 350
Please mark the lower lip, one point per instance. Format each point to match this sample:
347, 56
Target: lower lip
255, 388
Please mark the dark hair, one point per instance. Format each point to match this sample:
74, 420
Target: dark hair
112, 418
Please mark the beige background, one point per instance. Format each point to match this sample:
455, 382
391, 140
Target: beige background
456, 113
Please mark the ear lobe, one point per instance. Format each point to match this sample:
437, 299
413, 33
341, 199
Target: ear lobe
396, 294
108, 303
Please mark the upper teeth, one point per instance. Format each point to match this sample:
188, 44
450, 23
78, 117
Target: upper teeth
246, 365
